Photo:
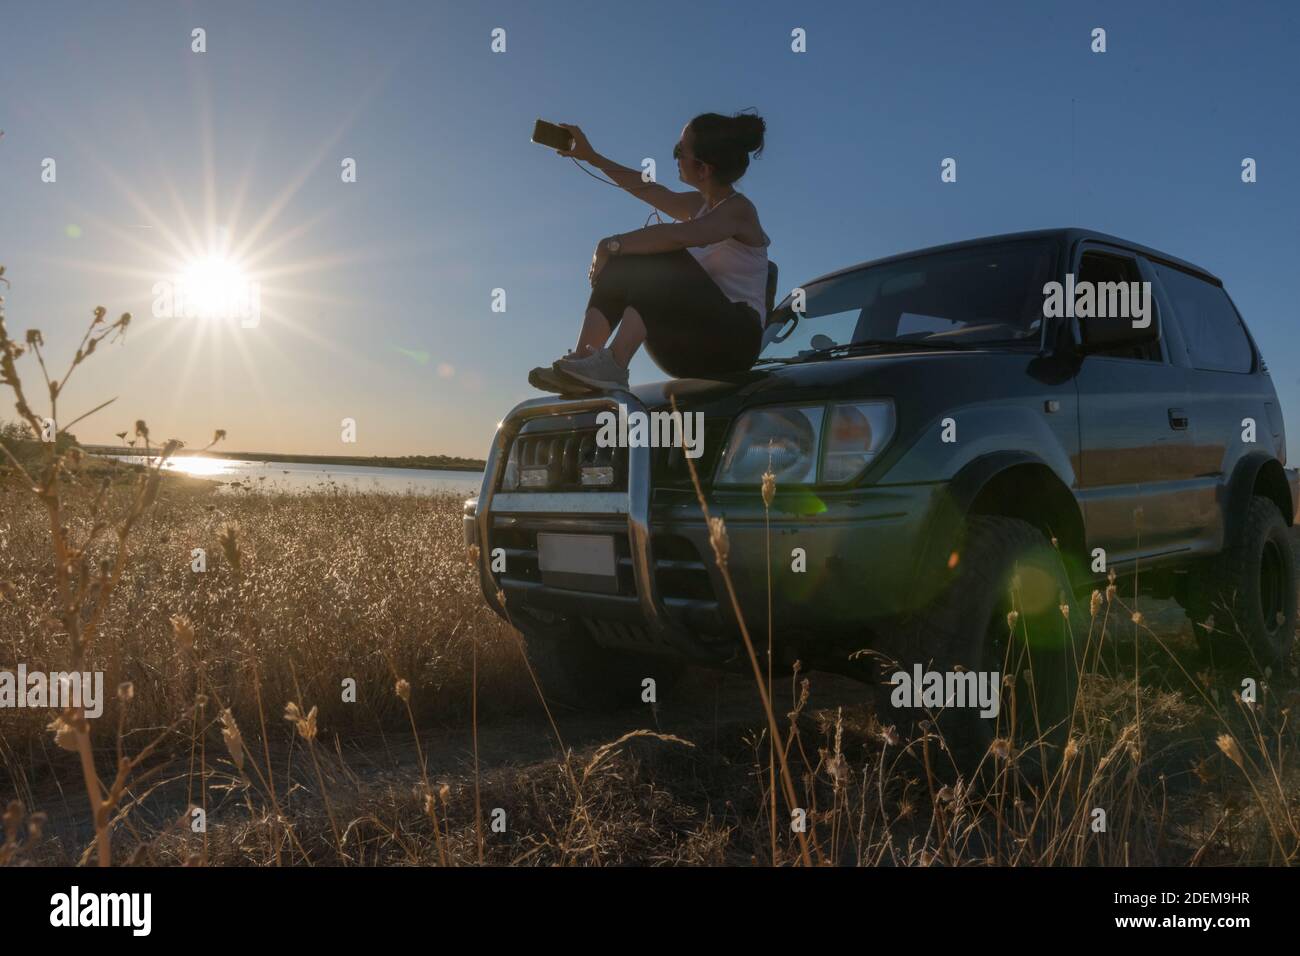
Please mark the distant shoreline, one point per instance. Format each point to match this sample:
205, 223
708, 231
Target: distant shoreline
420, 462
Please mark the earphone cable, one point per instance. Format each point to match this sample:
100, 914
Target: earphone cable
611, 182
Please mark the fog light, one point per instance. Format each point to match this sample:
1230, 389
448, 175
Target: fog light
533, 477
597, 475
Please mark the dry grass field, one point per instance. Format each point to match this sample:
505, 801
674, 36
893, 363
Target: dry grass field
301, 592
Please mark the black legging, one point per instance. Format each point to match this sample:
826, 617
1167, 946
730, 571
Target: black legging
692, 329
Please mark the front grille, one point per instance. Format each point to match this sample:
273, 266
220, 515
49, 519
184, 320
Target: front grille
557, 454
563, 457
545, 457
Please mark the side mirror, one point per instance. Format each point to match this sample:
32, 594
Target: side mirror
1103, 335
780, 328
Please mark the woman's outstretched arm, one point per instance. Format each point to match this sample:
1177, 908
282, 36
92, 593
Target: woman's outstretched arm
678, 205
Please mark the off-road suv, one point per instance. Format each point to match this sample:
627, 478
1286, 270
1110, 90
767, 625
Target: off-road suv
962, 452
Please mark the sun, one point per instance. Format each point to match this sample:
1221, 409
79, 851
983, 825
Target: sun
214, 287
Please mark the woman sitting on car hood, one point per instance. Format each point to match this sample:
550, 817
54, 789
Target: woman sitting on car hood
694, 290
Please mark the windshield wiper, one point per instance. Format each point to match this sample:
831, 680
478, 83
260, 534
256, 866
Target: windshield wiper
866, 345
897, 345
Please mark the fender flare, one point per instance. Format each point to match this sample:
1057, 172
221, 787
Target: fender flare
948, 513
1239, 489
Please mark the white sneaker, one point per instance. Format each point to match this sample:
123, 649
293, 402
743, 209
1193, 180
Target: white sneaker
599, 370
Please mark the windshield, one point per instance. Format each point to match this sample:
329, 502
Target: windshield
963, 298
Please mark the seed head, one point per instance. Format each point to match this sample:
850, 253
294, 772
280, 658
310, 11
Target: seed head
718, 538
305, 725
404, 689
769, 488
233, 738
1233, 752
838, 769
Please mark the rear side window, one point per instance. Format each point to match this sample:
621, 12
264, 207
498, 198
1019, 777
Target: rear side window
1216, 341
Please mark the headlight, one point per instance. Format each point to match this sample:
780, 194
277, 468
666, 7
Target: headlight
783, 440
790, 443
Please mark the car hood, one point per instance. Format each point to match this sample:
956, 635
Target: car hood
836, 378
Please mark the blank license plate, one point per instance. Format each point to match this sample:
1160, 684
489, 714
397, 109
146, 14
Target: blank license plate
578, 562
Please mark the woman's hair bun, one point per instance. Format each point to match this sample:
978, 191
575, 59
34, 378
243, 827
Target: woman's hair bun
750, 129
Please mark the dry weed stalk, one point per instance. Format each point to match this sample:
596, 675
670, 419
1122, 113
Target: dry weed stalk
82, 588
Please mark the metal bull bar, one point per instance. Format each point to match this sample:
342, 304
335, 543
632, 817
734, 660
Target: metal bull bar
638, 497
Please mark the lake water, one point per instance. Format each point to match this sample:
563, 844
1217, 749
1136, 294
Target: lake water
237, 475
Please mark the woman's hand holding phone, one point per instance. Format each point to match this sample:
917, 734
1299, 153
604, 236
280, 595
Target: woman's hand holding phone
581, 147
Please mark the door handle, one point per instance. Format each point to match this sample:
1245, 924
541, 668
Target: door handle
1177, 419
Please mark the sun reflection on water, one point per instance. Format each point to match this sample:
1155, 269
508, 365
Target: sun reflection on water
200, 467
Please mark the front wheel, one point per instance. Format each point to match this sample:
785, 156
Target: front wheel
1009, 617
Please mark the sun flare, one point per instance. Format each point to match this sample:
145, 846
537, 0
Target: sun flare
214, 286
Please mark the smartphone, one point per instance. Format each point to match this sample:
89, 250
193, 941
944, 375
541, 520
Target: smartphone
548, 134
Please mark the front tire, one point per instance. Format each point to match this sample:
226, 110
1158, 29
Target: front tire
1005, 567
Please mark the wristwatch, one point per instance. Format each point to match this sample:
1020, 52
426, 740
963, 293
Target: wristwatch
612, 245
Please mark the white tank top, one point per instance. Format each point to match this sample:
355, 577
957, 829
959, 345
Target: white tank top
739, 269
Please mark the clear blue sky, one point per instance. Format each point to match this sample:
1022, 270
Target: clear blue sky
377, 294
